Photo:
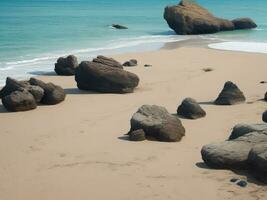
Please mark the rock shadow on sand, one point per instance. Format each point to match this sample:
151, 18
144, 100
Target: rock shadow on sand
73, 91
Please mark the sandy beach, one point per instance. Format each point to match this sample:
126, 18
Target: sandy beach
77, 149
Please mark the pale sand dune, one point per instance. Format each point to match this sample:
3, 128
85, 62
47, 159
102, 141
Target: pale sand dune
75, 150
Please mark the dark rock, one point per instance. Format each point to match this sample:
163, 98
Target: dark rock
107, 61
263, 82
190, 18
66, 66
244, 23
117, 26
11, 86
157, 123
264, 116
242, 183
243, 129
53, 94
36, 91
147, 65
190, 109
257, 159
137, 135
230, 95
233, 180
265, 96
102, 78
20, 100
130, 63
232, 154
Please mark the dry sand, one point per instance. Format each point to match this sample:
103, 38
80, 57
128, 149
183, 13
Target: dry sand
76, 150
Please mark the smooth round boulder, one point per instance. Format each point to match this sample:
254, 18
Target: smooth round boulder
102, 78
190, 109
137, 135
36, 91
108, 61
157, 123
20, 100
243, 129
244, 23
11, 86
66, 66
230, 95
264, 116
130, 63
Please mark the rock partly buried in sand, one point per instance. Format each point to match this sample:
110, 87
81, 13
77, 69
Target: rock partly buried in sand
264, 116
190, 18
130, 63
257, 159
13, 85
137, 135
118, 26
230, 95
157, 123
265, 97
232, 154
53, 94
243, 129
102, 78
66, 66
190, 109
107, 61
244, 23
20, 100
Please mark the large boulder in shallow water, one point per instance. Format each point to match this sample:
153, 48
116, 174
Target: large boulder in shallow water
232, 154
20, 100
157, 123
107, 61
102, 78
53, 94
190, 109
190, 18
244, 23
66, 66
230, 95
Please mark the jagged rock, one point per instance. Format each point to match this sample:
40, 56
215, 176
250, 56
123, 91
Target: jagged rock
190, 109
20, 100
130, 63
66, 66
230, 95
102, 78
157, 123
137, 135
190, 18
107, 61
244, 23
242, 129
53, 94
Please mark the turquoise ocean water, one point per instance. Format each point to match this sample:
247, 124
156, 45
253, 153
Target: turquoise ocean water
33, 33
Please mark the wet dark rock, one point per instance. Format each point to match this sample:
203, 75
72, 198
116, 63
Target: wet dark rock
190, 109
230, 95
244, 23
118, 26
157, 123
66, 66
107, 61
102, 78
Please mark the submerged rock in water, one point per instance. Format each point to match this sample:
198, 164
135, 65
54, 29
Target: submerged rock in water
190, 109
66, 66
230, 95
189, 18
107, 61
118, 26
102, 78
157, 123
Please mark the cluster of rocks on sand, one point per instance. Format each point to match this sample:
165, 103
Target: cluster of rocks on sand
189, 18
26, 95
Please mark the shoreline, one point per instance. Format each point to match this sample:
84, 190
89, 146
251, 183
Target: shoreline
75, 149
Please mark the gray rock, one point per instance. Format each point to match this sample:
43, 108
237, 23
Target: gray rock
137, 135
102, 78
242, 129
130, 63
66, 66
190, 109
20, 100
36, 91
230, 95
157, 123
107, 61
232, 154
